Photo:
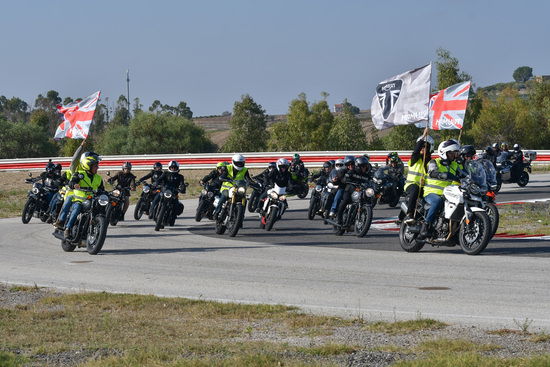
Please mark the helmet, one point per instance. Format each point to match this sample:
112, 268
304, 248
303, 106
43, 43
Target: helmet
517, 147
238, 161
393, 157
504, 146
272, 165
327, 164
173, 166
349, 159
467, 151
221, 164
50, 167
496, 146
296, 156
282, 164
157, 166
89, 159
339, 163
447, 146
332, 161
362, 162
127, 165
58, 167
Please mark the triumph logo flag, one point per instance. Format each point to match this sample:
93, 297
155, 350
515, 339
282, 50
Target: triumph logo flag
402, 99
448, 107
77, 118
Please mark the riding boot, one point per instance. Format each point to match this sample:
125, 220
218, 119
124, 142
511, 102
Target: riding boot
423, 231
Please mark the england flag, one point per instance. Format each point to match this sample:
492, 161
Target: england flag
77, 118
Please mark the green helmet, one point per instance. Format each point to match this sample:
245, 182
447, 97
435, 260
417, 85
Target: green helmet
221, 164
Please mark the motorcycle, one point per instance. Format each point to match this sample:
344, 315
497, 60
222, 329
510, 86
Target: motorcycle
90, 228
489, 198
387, 188
206, 202
358, 212
114, 211
504, 170
254, 199
37, 203
316, 202
143, 204
231, 215
274, 207
463, 221
167, 209
299, 185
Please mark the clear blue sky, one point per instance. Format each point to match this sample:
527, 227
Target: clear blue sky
209, 53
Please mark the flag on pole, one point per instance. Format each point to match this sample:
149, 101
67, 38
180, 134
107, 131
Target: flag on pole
448, 107
402, 99
77, 118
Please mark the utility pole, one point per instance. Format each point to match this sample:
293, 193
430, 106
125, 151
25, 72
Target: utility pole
128, 91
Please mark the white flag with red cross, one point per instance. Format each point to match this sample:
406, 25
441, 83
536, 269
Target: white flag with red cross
77, 118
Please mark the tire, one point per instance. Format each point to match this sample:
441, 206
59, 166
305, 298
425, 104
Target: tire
340, 230
237, 220
138, 212
253, 201
480, 226
523, 179
303, 194
499, 183
394, 201
159, 223
67, 246
220, 228
492, 213
95, 240
28, 210
408, 240
363, 221
271, 219
200, 210
313, 207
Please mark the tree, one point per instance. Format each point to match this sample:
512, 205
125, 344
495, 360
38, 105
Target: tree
113, 140
448, 72
248, 127
122, 115
14, 109
137, 107
401, 137
21, 140
523, 74
354, 109
347, 133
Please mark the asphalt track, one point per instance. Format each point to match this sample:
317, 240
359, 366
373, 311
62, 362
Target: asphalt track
299, 263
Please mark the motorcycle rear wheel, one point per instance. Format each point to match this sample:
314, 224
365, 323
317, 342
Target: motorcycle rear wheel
28, 210
523, 179
480, 228
96, 239
407, 240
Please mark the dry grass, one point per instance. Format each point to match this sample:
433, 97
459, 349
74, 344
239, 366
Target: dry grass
474, 359
528, 218
404, 327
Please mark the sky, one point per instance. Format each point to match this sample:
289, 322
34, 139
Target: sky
209, 53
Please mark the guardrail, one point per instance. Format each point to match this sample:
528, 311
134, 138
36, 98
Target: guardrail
208, 160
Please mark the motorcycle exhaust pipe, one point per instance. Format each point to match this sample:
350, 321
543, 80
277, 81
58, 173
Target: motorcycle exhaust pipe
404, 207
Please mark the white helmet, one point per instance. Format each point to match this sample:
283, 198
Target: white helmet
339, 163
173, 166
428, 139
450, 145
238, 161
282, 162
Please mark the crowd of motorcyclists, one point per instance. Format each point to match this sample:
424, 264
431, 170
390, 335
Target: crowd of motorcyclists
343, 189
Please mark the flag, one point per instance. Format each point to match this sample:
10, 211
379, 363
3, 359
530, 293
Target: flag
448, 107
77, 118
402, 99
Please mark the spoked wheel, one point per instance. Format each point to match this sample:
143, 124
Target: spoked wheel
523, 179
271, 218
407, 239
475, 235
28, 210
492, 212
363, 221
115, 214
339, 230
235, 220
160, 218
96, 236
138, 211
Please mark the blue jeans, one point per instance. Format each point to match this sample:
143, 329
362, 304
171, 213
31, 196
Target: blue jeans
53, 203
65, 208
336, 200
75, 210
435, 202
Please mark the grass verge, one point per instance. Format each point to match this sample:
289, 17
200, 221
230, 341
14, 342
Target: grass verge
528, 218
404, 327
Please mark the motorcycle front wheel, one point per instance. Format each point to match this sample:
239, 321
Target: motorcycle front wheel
235, 220
200, 210
138, 211
313, 207
474, 236
271, 218
253, 201
159, 223
407, 239
492, 212
363, 221
96, 235
302, 194
523, 179
28, 210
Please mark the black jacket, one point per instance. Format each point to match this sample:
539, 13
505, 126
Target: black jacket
321, 177
277, 177
53, 180
153, 175
214, 178
123, 180
415, 156
172, 181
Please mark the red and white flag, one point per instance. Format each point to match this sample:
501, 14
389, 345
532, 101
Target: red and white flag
77, 118
448, 107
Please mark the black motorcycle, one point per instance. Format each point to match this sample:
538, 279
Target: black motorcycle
37, 200
206, 202
117, 197
90, 228
254, 199
358, 212
316, 206
143, 204
273, 207
167, 209
388, 188
231, 215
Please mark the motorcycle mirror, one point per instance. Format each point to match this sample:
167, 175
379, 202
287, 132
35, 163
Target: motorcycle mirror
30, 174
109, 173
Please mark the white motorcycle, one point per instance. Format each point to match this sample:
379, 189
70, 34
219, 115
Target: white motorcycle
273, 207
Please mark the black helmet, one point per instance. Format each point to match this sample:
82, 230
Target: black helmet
362, 162
127, 165
173, 166
327, 164
50, 167
517, 147
58, 167
467, 151
272, 165
349, 159
157, 165
332, 162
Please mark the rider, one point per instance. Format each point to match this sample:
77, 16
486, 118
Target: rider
154, 175
516, 156
322, 176
236, 171
125, 181
85, 178
421, 155
349, 163
441, 172
214, 177
272, 166
279, 177
298, 173
359, 174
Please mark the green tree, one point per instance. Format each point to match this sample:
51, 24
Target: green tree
448, 72
401, 137
248, 127
137, 107
23, 140
14, 109
347, 133
113, 140
354, 109
523, 74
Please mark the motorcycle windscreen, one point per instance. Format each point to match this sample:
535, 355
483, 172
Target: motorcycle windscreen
476, 171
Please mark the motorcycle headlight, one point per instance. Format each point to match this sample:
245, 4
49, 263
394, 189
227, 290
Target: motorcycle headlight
86, 205
241, 190
116, 192
146, 189
168, 194
369, 192
282, 197
210, 194
204, 192
35, 190
274, 195
356, 196
318, 188
103, 200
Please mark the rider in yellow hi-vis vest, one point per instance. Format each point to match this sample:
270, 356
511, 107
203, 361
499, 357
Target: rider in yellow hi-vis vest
442, 172
416, 175
236, 171
82, 181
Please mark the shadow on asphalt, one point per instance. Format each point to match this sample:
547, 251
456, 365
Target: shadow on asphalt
171, 250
